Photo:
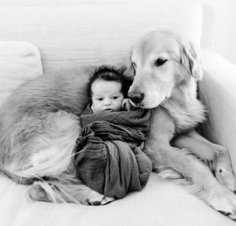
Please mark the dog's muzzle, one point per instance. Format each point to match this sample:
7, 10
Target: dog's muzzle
136, 98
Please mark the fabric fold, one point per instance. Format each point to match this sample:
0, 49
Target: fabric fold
109, 156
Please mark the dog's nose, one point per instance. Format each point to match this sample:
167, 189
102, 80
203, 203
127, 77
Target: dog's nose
136, 98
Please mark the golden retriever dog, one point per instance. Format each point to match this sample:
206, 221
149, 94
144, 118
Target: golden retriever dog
166, 68
39, 127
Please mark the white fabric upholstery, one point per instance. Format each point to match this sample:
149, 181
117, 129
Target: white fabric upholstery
83, 32
218, 91
103, 32
160, 203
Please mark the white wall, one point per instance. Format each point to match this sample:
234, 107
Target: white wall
224, 28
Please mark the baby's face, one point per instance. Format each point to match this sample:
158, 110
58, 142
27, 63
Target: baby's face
106, 96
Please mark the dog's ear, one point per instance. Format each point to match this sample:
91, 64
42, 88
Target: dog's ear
190, 59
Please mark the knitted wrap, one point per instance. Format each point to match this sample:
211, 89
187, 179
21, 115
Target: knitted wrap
109, 155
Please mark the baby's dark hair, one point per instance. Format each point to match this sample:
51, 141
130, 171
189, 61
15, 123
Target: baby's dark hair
111, 73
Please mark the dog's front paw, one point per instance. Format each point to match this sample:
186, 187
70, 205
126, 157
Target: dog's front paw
223, 201
96, 199
226, 178
224, 172
37, 193
83, 195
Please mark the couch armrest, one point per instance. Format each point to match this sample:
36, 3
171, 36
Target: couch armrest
218, 92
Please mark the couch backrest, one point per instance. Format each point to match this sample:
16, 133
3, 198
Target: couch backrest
74, 33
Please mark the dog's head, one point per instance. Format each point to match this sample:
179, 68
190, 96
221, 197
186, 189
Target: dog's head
161, 61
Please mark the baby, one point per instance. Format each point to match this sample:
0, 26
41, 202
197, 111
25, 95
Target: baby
108, 88
109, 156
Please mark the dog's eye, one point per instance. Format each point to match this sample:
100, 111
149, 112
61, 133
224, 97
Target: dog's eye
160, 62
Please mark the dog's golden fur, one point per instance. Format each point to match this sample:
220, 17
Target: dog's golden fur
166, 68
39, 126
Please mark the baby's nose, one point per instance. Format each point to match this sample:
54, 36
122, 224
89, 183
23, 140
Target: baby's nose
107, 101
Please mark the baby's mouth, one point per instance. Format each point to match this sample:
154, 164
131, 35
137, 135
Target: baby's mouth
108, 109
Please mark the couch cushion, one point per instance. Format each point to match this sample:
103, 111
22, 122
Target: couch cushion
19, 61
217, 90
95, 32
161, 203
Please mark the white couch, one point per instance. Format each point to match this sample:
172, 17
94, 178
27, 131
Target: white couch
47, 35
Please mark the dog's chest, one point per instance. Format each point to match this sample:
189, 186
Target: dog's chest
186, 116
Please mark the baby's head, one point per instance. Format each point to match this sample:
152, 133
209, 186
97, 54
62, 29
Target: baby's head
107, 88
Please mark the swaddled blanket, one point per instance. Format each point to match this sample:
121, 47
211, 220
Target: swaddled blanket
109, 155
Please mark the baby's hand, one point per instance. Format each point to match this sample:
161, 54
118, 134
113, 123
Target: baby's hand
126, 105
